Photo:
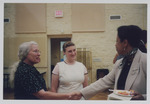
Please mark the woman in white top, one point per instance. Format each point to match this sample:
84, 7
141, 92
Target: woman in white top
69, 75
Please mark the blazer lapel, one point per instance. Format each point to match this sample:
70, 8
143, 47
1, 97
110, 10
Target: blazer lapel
134, 69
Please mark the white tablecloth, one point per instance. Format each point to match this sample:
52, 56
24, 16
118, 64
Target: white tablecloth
113, 96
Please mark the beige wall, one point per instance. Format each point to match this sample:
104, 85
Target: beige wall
102, 44
59, 25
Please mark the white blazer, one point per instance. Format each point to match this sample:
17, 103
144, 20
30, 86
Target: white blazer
136, 79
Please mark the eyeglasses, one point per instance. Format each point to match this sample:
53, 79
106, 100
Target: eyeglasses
37, 51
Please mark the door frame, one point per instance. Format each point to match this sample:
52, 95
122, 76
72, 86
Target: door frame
49, 37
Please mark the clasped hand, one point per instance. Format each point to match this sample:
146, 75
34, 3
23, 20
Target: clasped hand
75, 96
137, 96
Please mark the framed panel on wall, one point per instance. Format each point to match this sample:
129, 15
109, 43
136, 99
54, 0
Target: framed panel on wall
30, 18
88, 17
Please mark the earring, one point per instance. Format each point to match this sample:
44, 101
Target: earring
124, 49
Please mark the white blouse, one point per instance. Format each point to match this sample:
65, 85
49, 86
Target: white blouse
71, 77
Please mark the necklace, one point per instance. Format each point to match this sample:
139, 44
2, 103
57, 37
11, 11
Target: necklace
69, 63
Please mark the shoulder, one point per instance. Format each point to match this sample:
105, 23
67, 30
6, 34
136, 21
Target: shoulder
60, 63
22, 73
79, 63
24, 69
141, 53
142, 56
142, 60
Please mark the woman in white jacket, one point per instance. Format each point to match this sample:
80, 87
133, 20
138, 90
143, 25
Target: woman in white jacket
128, 73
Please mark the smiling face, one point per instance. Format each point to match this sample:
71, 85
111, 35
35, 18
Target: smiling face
71, 53
33, 56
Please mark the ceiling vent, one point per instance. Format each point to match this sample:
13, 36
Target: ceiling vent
115, 17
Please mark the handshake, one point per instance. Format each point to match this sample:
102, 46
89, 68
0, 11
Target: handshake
74, 96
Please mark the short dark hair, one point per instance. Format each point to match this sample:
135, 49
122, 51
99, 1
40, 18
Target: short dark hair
131, 33
144, 36
143, 41
67, 44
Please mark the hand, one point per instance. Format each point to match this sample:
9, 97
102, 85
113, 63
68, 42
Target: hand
75, 96
137, 96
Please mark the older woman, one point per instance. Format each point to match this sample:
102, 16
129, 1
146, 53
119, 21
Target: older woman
28, 82
69, 75
129, 73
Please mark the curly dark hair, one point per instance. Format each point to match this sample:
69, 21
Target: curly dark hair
130, 33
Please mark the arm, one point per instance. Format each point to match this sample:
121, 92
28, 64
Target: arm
51, 95
85, 83
100, 85
55, 80
137, 96
96, 87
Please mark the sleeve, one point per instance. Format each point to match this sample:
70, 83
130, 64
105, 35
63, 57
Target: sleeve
85, 69
144, 67
31, 83
56, 70
99, 86
144, 63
